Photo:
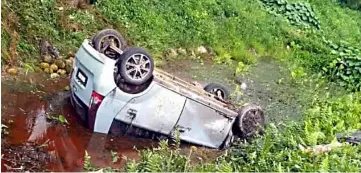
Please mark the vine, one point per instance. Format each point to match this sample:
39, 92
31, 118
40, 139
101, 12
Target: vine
347, 67
299, 13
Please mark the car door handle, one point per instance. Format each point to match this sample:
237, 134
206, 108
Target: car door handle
182, 129
132, 113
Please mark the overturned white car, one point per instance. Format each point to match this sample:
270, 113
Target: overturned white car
115, 89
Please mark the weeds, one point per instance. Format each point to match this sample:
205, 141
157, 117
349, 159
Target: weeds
87, 164
282, 148
237, 30
233, 28
115, 156
64, 27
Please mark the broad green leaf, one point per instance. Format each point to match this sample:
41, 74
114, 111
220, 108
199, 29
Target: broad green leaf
62, 119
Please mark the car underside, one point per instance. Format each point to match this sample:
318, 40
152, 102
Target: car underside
116, 86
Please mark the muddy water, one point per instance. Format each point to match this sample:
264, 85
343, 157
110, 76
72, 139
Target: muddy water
37, 144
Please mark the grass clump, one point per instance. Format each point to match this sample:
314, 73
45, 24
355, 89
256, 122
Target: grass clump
227, 25
243, 30
283, 148
25, 24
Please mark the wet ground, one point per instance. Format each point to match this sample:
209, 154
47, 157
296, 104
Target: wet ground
281, 101
36, 144
36, 140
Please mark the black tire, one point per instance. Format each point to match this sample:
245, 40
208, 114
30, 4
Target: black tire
99, 38
228, 141
216, 87
250, 121
130, 56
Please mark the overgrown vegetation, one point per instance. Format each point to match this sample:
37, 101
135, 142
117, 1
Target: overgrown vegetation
353, 4
240, 30
318, 36
25, 24
281, 149
299, 13
284, 147
232, 28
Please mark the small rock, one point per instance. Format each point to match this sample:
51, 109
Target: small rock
70, 54
54, 67
54, 75
38, 69
47, 70
193, 54
47, 58
60, 63
68, 68
68, 62
44, 65
201, 49
61, 72
172, 53
182, 51
243, 86
210, 50
71, 59
67, 88
12, 71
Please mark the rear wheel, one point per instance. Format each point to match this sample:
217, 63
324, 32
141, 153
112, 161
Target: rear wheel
250, 121
136, 66
218, 90
105, 40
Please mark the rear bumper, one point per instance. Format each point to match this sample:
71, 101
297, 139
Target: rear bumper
80, 108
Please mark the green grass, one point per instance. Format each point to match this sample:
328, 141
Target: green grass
339, 23
232, 27
280, 149
229, 25
33, 20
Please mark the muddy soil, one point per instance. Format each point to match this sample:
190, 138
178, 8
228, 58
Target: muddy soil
36, 144
280, 101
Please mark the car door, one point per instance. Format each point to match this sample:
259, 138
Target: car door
158, 110
203, 125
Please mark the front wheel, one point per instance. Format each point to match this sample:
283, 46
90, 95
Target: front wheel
136, 66
250, 121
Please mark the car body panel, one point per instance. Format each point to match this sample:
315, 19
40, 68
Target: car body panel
201, 125
111, 107
158, 110
94, 67
190, 91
